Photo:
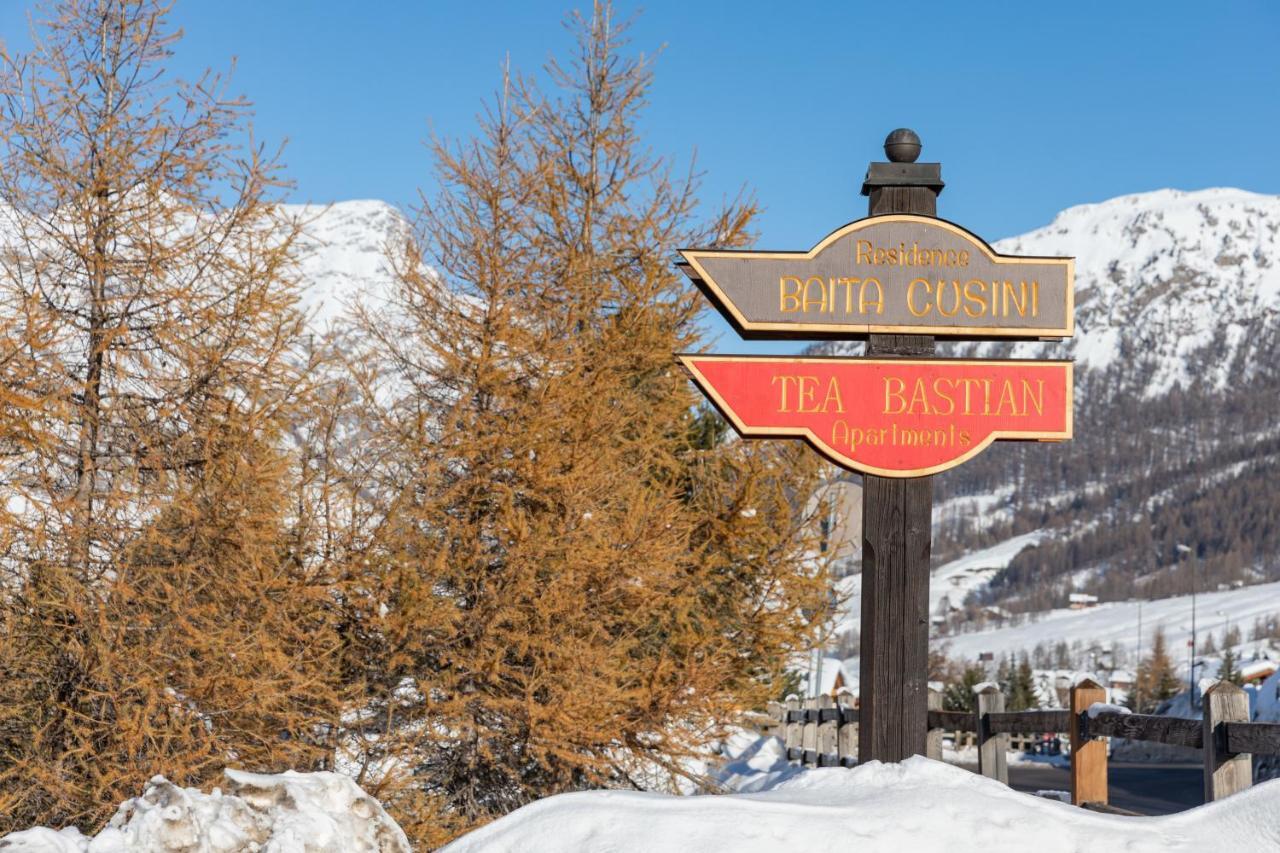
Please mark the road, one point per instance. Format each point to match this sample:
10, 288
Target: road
1149, 788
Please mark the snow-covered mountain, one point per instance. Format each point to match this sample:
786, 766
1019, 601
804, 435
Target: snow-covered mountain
343, 253
1184, 286
1177, 436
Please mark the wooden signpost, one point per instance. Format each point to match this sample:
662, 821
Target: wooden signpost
897, 279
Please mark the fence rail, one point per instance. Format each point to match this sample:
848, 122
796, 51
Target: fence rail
823, 732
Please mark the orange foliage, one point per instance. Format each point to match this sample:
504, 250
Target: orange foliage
580, 580
155, 616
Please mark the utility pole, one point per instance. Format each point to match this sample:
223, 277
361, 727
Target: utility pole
1191, 663
1137, 682
897, 519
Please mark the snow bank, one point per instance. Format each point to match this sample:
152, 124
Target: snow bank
284, 813
918, 805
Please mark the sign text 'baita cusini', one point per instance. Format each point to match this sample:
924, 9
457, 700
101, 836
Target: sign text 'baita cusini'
893, 417
889, 274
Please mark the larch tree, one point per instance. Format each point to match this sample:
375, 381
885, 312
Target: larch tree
158, 614
580, 577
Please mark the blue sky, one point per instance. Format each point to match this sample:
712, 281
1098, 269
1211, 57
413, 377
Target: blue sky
1031, 107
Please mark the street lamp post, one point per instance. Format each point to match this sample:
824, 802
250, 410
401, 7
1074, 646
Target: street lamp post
1191, 670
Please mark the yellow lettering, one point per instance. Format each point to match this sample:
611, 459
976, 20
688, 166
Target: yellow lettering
863, 255
971, 300
864, 303
943, 396
788, 302
808, 389
840, 435
918, 397
955, 289
821, 301
1035, 398
1006, 393
782, 403
891, 394
848, 294
911, 297
833, 396
1020, 305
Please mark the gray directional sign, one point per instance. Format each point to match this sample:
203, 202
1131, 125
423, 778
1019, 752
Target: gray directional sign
889, 274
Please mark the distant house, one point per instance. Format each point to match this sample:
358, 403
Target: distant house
1257, 671
1081, 601
1121, 680
999, 614
835, 678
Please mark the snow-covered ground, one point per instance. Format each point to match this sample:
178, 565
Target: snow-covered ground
954, 581
918, 805
951, 581
282, 813
1116, 624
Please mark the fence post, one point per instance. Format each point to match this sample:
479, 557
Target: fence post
826, 730
809, 739
992, 760
1088, 755
792, 730
1225, 773
847, 735
778, 718
933, 743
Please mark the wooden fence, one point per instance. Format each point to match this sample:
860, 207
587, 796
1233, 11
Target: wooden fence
823, 732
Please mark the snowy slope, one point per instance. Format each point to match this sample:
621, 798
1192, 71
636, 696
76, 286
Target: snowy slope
343, 252
950, 582
1116, 623
919, 806
1165, 277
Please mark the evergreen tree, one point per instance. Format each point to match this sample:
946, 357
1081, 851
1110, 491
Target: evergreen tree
1021, 691
959, 695
1229, 670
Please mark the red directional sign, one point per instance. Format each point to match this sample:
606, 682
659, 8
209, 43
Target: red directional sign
893, 417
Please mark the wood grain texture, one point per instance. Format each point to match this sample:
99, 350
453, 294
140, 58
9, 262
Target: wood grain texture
1174, 730
1225, 772
896, 533
933, 746
1088, 755
1254, 738
1030, 722
992, 746
828, 725
792, 729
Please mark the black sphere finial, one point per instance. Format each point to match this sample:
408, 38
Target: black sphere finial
902, 146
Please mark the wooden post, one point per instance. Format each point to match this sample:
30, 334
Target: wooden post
1225, 772
933, 747
777, 715
847, 737
792, 730
992, 760
896, 523
1088, 756
827, 731
809, 739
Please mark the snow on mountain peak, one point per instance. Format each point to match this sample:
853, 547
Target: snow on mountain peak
1180, 283
343, 253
